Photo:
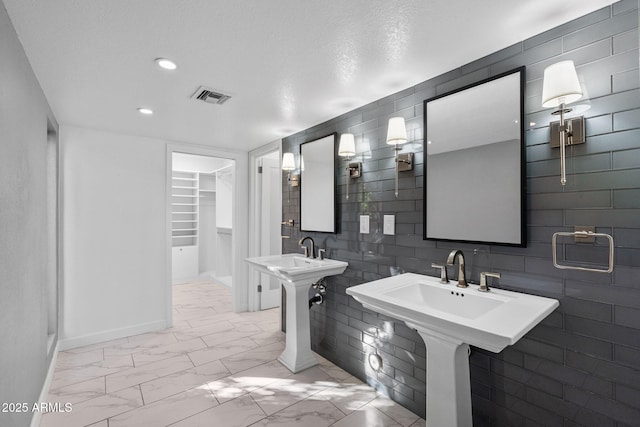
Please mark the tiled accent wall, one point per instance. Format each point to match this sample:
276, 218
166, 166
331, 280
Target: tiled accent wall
581, 366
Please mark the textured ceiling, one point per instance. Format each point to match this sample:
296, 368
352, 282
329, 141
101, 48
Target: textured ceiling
288, 64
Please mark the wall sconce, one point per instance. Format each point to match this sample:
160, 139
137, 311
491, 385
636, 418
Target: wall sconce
289, 164
397, 135
347, 148
560, 87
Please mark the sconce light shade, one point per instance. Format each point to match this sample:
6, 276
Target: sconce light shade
560, 85
288, 162
397, 132
347, 146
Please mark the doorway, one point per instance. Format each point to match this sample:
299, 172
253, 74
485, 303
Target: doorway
266, 222
271, 216
239, 223
202, 218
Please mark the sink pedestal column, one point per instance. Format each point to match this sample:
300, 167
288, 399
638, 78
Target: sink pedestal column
448, 382
297, 354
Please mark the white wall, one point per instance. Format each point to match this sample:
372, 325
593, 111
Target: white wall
114, 222
25, 261
224, 225
208, 236
117, 234
224, 198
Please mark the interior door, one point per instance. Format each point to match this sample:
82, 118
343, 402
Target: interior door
271, 216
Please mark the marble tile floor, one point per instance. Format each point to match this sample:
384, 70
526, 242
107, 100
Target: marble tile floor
213, 368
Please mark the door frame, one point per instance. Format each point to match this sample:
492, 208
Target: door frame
254, 217
240, 288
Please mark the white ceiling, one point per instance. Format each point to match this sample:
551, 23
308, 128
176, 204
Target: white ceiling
288, 64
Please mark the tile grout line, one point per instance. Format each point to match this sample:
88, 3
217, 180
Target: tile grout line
241, 322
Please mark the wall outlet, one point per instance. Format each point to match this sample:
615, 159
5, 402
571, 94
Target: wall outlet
364, 224
389, 225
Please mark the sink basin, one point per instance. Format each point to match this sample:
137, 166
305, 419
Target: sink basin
297, 274
491, 320
449, 319
446, 301
296, 268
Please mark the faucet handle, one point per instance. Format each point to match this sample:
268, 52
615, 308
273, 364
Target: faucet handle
483, 280
444, 278
306, 251
321, 253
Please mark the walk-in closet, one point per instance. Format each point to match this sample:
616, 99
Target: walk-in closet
201, 218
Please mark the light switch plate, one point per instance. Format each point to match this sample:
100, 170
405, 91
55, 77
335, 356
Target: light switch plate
364, 224
389, 225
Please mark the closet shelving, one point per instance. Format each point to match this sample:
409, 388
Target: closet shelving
184, 208
201, 221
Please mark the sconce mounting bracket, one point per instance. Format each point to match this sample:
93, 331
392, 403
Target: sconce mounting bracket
575, 129
405, 162
355, 170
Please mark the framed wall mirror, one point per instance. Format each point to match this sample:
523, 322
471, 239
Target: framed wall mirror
474, 163
318, 185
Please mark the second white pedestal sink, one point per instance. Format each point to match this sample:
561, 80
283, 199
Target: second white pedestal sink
297, 274
448, 319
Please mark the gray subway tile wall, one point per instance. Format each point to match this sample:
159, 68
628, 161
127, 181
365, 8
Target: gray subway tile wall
581, 365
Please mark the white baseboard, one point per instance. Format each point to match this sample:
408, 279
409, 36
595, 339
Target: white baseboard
44, 393
205, 275
112, 334
225, 280
185, 280
211, 274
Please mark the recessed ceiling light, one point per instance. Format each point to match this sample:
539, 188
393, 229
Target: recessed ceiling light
167, 64
145, 111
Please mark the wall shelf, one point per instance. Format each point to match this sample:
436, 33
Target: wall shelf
184, 189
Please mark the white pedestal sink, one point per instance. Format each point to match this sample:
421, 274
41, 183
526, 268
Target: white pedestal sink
297, 274
449, 319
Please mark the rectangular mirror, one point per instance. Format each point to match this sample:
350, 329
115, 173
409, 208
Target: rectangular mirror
318, 183
474, 163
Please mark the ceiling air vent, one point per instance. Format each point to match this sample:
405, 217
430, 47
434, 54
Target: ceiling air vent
210, 96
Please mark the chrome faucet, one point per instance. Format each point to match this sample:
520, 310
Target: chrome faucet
483, 280
457, 254
444, 278
307, 253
